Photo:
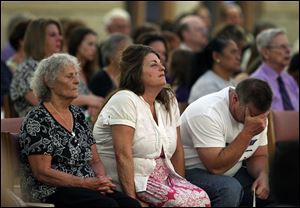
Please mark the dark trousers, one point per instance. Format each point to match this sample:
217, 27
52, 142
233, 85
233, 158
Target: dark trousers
82, 197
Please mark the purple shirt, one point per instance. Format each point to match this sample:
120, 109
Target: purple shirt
6, 52
266, 73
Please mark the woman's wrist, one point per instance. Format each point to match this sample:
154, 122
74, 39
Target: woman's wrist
82, 182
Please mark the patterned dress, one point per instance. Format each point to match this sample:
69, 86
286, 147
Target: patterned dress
20, 85
42, 134
167, 190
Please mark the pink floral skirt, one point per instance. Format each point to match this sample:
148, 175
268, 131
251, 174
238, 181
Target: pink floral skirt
164, 189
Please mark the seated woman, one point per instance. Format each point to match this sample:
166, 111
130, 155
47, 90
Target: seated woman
220, 59
82, 45
42, 39
137, 134
58, 152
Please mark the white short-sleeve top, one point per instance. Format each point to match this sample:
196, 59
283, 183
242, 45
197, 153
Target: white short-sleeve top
127, 108
207, 122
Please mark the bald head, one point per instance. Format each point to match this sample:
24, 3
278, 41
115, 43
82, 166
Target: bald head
233, 14
118, 21
193, 32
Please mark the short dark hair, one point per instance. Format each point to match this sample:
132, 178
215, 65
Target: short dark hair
148, 38
218, 45
143, 29
180, 28
18, 34
234, 32
255, 91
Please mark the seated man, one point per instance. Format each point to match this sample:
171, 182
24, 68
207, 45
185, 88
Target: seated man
221, 130
273, 45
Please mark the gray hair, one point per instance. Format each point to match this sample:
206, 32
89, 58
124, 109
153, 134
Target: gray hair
110, 46
115, 13
265, 38
47, 72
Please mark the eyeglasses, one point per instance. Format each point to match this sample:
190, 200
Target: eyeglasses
281, 47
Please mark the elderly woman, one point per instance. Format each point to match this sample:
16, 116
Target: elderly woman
274, 47
58, 152
137, 134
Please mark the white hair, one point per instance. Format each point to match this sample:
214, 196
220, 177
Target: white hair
115, 13
265, 38
47, 72
110, 46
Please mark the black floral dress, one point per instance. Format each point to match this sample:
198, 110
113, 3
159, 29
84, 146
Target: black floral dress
42, 134
20, 85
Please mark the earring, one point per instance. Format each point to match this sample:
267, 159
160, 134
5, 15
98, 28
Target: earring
218, 61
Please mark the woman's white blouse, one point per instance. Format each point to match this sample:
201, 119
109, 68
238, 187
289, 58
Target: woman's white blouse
127, 108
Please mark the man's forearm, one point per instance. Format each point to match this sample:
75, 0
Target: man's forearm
257, 165
230, 155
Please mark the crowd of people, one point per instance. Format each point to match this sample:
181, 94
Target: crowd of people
159, 115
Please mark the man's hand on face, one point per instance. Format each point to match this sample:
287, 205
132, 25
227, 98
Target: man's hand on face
254, 125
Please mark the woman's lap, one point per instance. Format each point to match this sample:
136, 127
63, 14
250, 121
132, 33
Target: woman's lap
166, 189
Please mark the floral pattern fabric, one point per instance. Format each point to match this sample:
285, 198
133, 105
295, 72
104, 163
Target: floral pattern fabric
167, 190
20, 85
41, 134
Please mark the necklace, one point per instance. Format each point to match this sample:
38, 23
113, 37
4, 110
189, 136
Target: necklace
65, 122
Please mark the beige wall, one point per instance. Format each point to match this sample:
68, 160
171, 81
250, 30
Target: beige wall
181, 7
90, 12
283, 13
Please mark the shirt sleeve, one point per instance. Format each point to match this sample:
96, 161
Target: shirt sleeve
34, 138
263, 136
83, 125
120, 109
206, 132
201, 88
175, 111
